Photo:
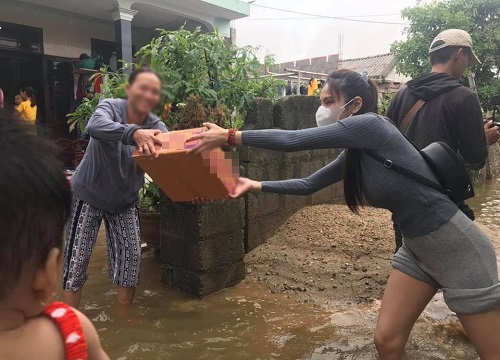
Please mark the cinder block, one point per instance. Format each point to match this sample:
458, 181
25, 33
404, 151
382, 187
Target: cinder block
221, 217
186, 220
260, 115
259, 204
303, 64
296, 202
296, 112
318, 64
288, 65
260, 229
203, 254
323, 196
333, 62
202, 284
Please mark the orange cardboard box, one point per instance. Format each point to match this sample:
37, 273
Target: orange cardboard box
183, 177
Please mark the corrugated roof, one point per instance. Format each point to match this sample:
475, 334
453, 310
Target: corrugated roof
378, 66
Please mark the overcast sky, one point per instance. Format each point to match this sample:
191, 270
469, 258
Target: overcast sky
301, 38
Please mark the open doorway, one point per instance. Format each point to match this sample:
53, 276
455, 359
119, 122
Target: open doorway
18, 70
59, 94
21, 52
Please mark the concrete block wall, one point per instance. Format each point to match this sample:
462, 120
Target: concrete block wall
203, 247
321, 64
265, 212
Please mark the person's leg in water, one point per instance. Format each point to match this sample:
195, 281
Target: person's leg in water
461, 259
404, 300
484, 331
81, 235
398, 237
124, 252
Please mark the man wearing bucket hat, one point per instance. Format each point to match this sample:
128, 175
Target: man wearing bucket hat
436, 107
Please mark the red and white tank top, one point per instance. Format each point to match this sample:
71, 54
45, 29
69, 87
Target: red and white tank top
66, 320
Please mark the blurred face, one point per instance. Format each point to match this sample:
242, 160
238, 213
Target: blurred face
144, 94
24, 96
18, 99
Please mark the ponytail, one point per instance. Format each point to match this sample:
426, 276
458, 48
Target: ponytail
350, 84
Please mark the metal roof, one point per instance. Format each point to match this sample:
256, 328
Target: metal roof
378, 66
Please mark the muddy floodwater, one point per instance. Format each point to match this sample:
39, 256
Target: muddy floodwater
486, 203
250, 322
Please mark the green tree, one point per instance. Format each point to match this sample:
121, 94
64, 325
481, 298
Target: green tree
208, 66
194, 66
480, 18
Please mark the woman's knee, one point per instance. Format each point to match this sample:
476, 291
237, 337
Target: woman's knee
387, 342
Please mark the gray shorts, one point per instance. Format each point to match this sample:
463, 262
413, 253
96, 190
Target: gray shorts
459, 259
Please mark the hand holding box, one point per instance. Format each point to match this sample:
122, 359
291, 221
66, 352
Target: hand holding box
183, 177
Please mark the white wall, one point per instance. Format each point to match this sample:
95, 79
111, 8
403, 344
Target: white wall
64, 34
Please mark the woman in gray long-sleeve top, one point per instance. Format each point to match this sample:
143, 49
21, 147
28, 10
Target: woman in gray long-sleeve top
442, 248
106, 186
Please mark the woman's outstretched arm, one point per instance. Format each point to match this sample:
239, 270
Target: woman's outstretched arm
367, 131
322, 178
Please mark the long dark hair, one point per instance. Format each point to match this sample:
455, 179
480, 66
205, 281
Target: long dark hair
349, 84
31, 94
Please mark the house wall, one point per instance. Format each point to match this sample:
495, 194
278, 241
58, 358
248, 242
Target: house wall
65, 34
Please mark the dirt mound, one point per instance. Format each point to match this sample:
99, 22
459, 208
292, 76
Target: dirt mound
327, 255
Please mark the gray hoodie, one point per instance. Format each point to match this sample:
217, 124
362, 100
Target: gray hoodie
108, 178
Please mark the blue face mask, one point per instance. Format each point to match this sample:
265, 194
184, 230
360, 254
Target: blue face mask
326, 116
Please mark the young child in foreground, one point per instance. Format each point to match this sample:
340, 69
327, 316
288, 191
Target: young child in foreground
34, 202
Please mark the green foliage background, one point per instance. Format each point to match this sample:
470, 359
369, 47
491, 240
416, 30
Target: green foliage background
204, 65
481, 18
204, 78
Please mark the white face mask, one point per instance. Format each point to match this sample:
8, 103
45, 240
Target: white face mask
326, 116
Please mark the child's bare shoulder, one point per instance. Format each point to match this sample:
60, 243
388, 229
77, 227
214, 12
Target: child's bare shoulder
95, 350
38, 339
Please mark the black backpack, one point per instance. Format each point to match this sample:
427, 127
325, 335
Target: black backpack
454, 180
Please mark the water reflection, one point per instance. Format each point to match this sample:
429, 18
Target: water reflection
246, 322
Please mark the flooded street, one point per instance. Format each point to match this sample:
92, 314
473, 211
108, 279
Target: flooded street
486, 203
250, 322
245, 322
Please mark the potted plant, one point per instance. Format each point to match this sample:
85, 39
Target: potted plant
149, 214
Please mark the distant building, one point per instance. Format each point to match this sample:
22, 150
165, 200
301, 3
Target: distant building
380, 68
322, 65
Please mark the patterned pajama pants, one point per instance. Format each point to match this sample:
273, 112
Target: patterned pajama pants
123, 243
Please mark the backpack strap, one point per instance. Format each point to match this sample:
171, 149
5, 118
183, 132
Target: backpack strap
410, 115
408, 173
